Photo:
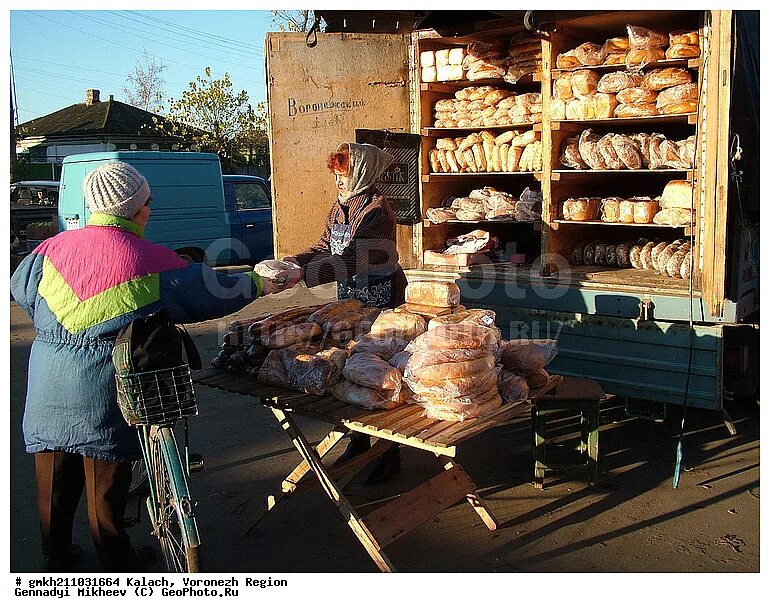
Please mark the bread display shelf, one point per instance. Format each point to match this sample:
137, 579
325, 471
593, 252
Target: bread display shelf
693, 63
450, 87
684, 118
537, 127
536, 224
448, 176
561, 174
597, 222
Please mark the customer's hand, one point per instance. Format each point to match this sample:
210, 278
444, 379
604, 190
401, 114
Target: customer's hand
287, 279
292, 259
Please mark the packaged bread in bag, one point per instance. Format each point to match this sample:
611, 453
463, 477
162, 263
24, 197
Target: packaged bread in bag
528, 356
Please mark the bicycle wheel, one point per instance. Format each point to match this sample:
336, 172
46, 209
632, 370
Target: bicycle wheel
174, 517
139, 482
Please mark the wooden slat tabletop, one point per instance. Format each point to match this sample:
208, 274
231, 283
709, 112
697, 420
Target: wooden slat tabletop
404, 424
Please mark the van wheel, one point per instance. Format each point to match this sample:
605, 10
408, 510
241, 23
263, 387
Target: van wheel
191, 256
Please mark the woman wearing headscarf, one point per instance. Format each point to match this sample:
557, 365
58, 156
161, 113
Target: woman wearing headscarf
357, 249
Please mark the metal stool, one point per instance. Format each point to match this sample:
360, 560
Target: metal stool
574, 396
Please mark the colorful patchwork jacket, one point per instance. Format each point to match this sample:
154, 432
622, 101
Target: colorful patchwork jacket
80, 288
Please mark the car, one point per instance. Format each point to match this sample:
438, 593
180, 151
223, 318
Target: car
32, 201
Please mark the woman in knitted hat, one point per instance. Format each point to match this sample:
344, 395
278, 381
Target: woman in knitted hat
357, 248
80, 288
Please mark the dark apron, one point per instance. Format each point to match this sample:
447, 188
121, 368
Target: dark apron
369, 290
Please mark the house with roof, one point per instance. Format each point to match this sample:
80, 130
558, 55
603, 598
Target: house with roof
93, 125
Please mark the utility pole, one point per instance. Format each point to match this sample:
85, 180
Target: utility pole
13, 166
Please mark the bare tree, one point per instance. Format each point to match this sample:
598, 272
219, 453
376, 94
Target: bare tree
145, 83
293, 21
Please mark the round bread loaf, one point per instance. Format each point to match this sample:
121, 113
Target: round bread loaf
567, 59
680, 108
686, 269
676, 52
636, 110
627, 151
684, 37
618, 44
615, 59
645, 255
677, 194
611, 255
661, 78
623, 255
614, 82
655, 254
636, 95
608, 153
590, 54
637, 58
584, 83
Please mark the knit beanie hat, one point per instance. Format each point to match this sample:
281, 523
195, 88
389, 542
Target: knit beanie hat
116, 188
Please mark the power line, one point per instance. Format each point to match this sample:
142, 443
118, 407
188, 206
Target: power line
248, 50
145, 37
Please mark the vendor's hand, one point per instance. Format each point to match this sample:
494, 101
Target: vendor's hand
292, 259
287, 279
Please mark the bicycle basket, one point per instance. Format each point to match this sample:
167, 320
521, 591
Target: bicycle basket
156, 397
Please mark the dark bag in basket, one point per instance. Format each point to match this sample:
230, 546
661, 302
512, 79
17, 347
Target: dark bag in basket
151, 344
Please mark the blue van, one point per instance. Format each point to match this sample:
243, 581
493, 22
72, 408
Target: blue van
196, 211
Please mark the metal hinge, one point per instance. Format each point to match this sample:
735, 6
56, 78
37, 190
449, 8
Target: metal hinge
646, 308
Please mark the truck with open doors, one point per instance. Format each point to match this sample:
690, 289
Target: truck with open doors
682, 338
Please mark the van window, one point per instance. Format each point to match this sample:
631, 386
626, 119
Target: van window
251, 196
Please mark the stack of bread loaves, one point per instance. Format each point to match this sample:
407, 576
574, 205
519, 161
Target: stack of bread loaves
442, 65
676, 204
673, 259
527, 359
510, 151
575, 96
429, 299
642, 46
452, 371
627, 151
486, 106
371, 382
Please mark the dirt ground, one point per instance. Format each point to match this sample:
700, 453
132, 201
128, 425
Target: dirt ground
632, 521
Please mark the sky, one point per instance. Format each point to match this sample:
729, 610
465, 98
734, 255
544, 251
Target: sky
58, 54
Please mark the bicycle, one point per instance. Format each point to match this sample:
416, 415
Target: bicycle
154, 402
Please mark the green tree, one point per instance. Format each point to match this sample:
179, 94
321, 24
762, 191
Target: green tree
292, 21
214, 118
145, 83
254, 145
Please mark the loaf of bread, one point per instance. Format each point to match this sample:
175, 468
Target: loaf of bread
434, 293
403, 325
684, 37
656, 160
687, 150
615, 59
638, 58
626, 211
636, 110
610, 210
623, 255
669, 153
581, 209
645, 255
627, 150
645, 209
428, 74
676, 94
608, 153
674, 263
686, 107
588, 146
636, 95
674, 217
676, 52
514, 155
568, 59
536, 380
613, 82
369, 370
644, 38
562, 86
463, 335
512, 387
590, 54
584, 83
575, 109
686, 269
524, 139
366, 397
603, 105
655, 254
570, 155
677, 194
460, 410
383, 346
483, 317
662, 78
527, 356
289, 335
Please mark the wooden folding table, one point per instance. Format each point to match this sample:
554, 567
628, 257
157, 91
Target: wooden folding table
404, 425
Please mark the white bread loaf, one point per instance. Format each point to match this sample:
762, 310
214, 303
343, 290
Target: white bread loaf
677, 194
429, 74
427, 58
403, 325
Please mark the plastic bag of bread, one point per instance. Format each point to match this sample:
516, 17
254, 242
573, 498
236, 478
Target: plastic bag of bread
590, 54
636, 110
636, 95
463, 335
512, 387
576, 109
562, 86
680, 108
638, 58
384, 347
434, 293
610, 210
527, 356
372, 371
588, 146
684, 37
290, 335
366, 397
669, 153
619, 44
440, 215
687, 150
607, 151
466, 408
674, 217
677, 195
627, 150
483, 317
270, 269
644, 209
656, 160
570, 155
400, 360
312, 374
662, 78
428, 74
626, 211
403, 325
676, 94
643, 38
677, 52
584, 83
613, 82
483, 70
558, 109
615, 59
537, 379
568, 59
602, 106
447, 373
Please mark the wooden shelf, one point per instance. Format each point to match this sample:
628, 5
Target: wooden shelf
450, 87
561, 174
537, 127
448, 176
535, 224
689, 118
557, 222
693, 62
